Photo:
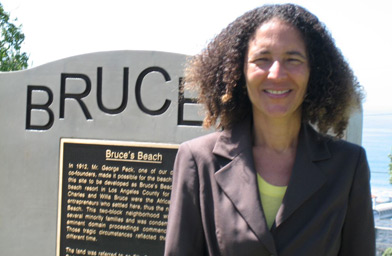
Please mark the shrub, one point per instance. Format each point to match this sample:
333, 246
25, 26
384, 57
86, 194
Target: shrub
387, 252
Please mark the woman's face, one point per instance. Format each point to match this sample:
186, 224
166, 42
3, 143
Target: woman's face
276, 70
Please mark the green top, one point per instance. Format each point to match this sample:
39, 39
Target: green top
271, 199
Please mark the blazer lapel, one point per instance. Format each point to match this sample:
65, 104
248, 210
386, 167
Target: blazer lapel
238, 180
306, 178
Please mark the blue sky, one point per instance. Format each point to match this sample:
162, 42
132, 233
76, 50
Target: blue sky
58, 29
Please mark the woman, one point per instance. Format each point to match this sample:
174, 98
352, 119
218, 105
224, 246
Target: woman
267, 183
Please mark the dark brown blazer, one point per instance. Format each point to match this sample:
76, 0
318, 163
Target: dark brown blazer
216, 210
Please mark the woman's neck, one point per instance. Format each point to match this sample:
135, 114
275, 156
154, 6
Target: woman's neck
279, 135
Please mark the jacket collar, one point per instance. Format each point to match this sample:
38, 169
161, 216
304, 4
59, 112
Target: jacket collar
306, 178
239, 181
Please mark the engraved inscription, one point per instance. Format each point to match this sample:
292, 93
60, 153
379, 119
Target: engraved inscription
117, 197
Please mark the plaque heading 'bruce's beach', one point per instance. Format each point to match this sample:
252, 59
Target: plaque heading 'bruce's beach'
130, 156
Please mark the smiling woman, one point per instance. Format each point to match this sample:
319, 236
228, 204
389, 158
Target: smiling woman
267, 183
217, 72
276, 71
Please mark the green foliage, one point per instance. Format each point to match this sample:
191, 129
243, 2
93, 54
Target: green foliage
11, 39
387, 252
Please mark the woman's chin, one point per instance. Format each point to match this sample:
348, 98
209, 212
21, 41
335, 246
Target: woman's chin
278, 112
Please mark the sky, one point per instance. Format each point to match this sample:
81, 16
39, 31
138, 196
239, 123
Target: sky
59, 29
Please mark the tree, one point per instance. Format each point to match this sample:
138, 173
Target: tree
11, 39
387, 252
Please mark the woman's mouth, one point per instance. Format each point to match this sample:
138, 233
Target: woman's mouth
275, 92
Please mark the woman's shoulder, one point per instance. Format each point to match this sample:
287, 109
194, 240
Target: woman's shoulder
347, 149
333, 145
198, 149
342, 146
202, 143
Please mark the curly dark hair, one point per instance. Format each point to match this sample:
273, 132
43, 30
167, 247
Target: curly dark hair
217, 72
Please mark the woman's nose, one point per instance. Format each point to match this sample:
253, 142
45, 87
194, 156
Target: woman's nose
277, 71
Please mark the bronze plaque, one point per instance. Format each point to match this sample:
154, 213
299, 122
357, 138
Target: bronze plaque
114, 197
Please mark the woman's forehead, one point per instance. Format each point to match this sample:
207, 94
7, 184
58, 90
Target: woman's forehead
277, 33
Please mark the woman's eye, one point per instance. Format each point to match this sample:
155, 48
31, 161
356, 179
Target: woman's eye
262, 60
294, 61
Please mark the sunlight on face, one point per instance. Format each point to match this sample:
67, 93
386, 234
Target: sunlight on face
276, 70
